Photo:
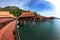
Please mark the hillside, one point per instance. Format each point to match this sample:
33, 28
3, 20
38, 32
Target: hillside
14, 10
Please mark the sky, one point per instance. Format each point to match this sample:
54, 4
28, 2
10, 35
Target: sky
42, 7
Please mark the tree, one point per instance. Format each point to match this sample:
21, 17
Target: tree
35, 13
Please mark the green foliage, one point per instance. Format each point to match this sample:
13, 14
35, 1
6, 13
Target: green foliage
16, 13
35, 13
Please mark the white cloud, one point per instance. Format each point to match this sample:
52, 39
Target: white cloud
56, 3
22, 3
48, 13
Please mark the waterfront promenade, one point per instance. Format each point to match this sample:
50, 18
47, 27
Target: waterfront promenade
6, 33
8, 26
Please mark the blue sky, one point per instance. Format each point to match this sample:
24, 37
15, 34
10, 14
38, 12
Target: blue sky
43, 7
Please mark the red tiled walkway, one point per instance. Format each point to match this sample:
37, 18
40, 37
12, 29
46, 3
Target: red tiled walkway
6, 33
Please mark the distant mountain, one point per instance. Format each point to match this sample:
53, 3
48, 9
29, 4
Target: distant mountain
8, 8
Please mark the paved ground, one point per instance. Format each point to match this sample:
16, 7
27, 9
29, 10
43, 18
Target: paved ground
6, 33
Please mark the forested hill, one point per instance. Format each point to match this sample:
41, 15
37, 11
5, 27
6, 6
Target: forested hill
14, 10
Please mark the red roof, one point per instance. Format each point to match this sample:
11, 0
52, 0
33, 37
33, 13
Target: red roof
40, 17
27, 14
5, 14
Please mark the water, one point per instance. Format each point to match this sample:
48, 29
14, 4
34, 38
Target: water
42, 30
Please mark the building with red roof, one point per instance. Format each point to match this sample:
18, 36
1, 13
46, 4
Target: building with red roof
41, 18
5, 15
27, 16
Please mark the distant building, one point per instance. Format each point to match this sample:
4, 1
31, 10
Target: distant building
27, 16
51, 17
41, 18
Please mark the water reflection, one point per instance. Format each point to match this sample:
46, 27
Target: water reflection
42, 30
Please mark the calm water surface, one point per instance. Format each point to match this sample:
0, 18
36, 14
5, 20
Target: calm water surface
42, 30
